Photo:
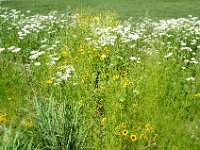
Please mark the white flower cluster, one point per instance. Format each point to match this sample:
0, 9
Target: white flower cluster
35, 54
175, 39
63, 75
12, 49
109, 36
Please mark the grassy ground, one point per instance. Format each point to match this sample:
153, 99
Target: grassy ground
95, 82
158, 9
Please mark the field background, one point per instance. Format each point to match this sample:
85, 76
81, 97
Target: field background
95, 81
157, 9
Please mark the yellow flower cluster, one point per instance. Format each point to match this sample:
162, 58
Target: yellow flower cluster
144, 132
81, 51
148, 128
84, 78
143, 136
49, 81
127, 83
64, 53
3, 119
116, 77
122, 130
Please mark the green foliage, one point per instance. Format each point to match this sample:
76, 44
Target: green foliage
58, 126
76, 81
158, 9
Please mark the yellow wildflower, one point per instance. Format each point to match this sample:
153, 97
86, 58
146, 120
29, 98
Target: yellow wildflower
106, 49
64, 53
123, 125
197, 95
126, 83
83, 79
94, 49
49, 81
3, 119
81, 102
148, 128
81, 51
133, 137
116, 77
125, 132
103, 120
145, 138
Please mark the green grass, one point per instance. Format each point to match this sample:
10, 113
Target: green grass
157, 9
91, 82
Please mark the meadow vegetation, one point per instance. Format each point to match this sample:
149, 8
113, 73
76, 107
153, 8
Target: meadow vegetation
156, 9
76, 81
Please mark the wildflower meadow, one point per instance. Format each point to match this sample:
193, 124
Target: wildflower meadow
76, 81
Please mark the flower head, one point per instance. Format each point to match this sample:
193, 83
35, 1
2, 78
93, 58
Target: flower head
133, 137
148, 128
64, 53
116, 77
125, 132
123, 125
49, 81
197, 95
103, 120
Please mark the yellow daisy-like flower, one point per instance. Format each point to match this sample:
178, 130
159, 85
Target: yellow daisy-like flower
116, 77
126, 83
103, 120
133, 137
81, 102
49, 81
64, 53
148, 128
81, 51
94, 49
145, 138
106, 49
123, 125
84, 78
3, 119
125, 132
197, 95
